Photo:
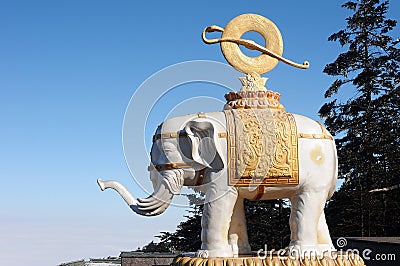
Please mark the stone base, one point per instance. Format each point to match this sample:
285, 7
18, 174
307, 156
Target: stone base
146, 259
336, 259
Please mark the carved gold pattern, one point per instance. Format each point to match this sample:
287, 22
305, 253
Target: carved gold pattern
262, 147
337, 259
253, 82
253, 94
222, 134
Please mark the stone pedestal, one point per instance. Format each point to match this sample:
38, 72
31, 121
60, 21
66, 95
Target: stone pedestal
146, 259
336, 259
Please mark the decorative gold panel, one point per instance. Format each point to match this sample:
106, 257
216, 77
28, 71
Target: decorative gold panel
262, 147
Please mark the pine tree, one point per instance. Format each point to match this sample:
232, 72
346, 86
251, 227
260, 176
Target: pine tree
268, 224
187, 237
367, 124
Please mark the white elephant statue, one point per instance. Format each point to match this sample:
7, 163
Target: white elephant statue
196, 150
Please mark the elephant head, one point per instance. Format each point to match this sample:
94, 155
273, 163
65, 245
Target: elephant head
179, 156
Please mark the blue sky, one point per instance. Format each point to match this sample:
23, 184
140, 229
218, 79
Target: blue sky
68, 71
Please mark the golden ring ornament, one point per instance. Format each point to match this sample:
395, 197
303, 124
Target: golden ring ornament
231, 39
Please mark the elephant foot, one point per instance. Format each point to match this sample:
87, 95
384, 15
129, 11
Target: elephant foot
215, 253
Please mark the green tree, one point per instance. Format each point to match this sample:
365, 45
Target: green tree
187, 236
366, 123
152, 247
268, 224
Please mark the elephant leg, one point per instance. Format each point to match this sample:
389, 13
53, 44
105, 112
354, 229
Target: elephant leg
306, 211
215, 223
324, 238
238, 230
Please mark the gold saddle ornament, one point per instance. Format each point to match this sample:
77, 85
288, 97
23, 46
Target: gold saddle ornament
262, 139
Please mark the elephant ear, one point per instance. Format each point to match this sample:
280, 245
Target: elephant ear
202, 138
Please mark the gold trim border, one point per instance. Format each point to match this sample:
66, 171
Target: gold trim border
315, 136
174, 135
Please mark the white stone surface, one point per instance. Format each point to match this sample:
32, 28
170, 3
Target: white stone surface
224, 232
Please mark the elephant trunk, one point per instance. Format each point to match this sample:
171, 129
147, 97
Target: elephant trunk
153, 205
125, 194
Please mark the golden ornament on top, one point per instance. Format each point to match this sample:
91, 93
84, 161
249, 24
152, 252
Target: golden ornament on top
231, 39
